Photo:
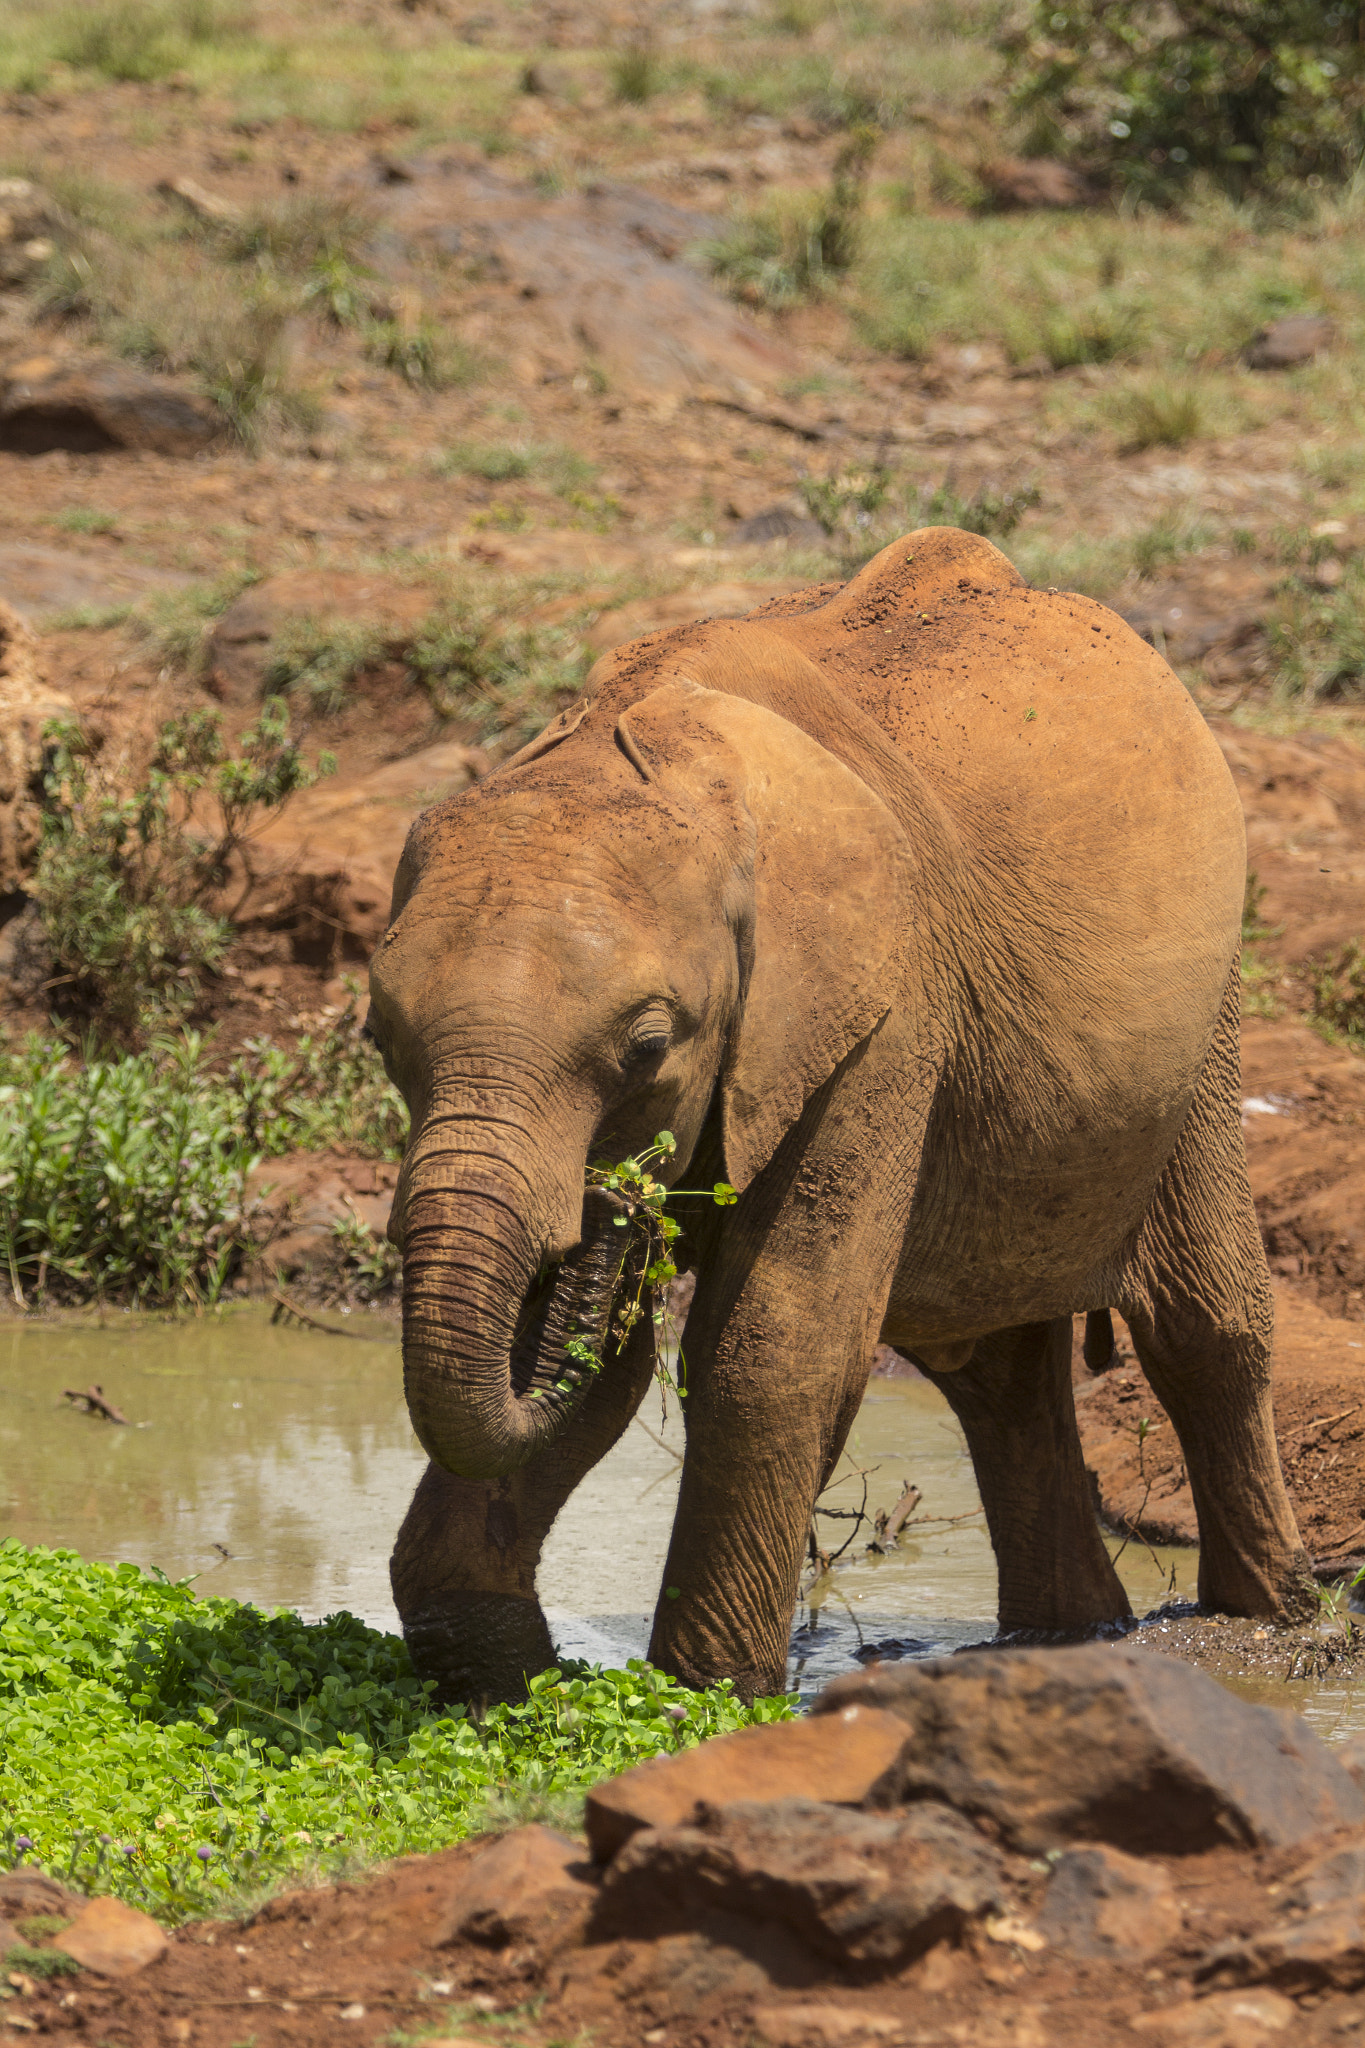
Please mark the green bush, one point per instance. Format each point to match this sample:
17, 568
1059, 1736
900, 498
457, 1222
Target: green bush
1250, 92
1336, 991
138, 40
792, 250
177, 1752
124, 1179
127, 881
119, 1178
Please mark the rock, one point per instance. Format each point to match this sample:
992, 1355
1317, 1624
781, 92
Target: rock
246, 637
1237, 2018
25, 1891
26, 705
1103, 1742
889, 1364
294, 1202
725, 1957
29, 219
209, 207
1327, 1881
1351, 1755
97, 407
602, 273
1016, 183
39, 581
841, 1759
783, 2023
1324, 1951
779, 522
530, 1885
113, 1939
1285, 344
869, 1891
1104, 1906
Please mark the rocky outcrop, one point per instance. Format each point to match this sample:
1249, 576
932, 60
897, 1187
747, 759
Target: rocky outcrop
26, 705
1106, 1743
95, 407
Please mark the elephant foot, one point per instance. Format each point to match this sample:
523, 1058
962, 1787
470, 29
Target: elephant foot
479, 1648
1284, 1590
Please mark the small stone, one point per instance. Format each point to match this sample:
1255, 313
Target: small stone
351, 2012
1017, 184
1103, 1741
1104, 1906
1235, 2017
782, 2023
1012, 1932
530, 1885
1286, 344
871, 1891
113, 1939
840, 1760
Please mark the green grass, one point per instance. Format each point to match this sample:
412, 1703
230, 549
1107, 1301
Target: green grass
184, 1753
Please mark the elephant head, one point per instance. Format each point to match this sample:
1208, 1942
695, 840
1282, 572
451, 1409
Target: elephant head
681, 915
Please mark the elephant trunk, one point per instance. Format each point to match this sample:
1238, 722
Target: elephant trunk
486, 1322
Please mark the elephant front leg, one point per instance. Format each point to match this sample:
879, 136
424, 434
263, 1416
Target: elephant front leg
778, 1345
463, 1569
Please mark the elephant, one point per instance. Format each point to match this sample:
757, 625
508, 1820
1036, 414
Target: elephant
911, 908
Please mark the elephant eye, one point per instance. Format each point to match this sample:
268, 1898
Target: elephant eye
650, 1038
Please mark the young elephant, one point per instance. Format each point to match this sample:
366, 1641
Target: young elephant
911, 907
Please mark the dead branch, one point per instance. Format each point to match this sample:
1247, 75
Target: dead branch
888, 1527
92, 1402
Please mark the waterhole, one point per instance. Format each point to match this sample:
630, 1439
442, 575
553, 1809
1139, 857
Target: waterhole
273, 1464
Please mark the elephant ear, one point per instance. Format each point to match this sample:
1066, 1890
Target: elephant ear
822, 867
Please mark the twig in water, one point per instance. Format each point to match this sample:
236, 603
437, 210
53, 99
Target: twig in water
92, 1402
888, 1527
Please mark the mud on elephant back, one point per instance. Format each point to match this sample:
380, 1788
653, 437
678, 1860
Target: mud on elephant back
911, 907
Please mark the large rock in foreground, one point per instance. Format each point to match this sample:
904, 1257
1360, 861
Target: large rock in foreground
866, 1890
842, 1760
1103, 1742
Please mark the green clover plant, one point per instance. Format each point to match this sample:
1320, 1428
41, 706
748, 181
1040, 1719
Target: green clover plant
646, 1265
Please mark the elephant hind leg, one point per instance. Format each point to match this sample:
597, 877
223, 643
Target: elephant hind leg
1197, 1301
1014, 1402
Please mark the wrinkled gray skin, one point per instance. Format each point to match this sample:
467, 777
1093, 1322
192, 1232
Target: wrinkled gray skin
912, 909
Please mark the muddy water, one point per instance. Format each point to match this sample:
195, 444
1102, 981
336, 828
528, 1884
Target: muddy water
274, 1464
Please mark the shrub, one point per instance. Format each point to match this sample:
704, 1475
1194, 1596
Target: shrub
1317, 638
119, 1178
1336, 990
508, 679
989, 512
791, 250
137, 41
127, 880
124, 1179
1250, 92
1160, 415
175, 1751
